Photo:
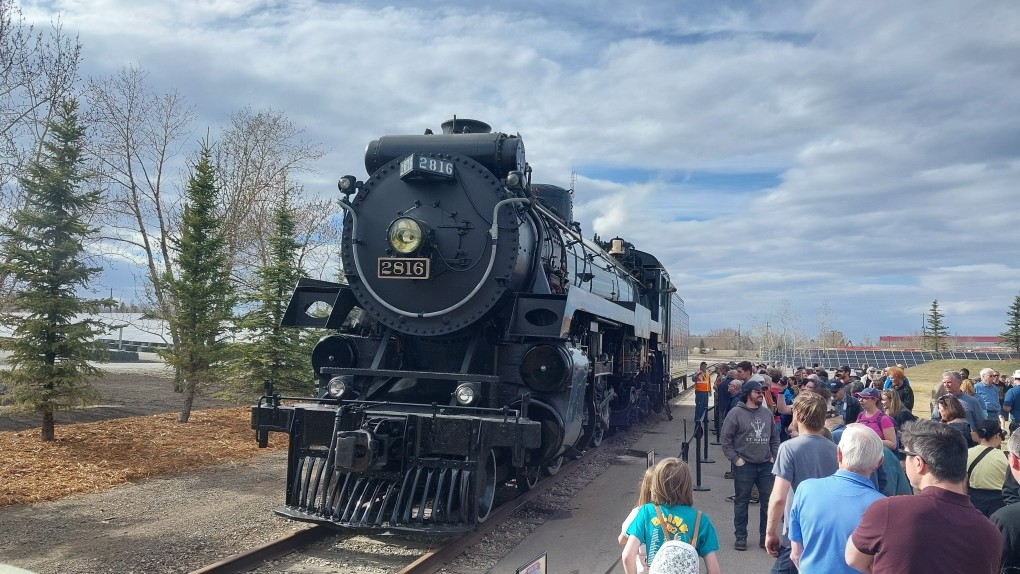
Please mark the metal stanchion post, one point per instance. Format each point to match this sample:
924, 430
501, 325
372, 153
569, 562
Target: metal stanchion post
718, 424
685, 446
704, 436
697, 453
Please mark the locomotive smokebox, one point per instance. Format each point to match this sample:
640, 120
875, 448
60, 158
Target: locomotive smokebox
435, 242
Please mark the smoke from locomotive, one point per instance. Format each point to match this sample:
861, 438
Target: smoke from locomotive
479, 338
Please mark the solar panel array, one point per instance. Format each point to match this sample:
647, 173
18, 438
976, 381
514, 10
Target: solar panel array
855, 358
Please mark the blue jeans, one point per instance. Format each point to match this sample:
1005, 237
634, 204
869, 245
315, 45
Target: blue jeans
744, 479
783, 563
700, 406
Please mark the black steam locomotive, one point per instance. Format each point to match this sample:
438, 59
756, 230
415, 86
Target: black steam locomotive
480, 338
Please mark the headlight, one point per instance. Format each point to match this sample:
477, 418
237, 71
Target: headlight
466, 394
337, 387
405, 235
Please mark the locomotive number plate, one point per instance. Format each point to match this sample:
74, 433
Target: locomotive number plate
403, 268
417, 166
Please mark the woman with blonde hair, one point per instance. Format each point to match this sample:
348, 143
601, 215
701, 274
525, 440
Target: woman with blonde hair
670, 515
894, 408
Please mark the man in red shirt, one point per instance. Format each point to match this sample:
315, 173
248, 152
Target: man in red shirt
938, 530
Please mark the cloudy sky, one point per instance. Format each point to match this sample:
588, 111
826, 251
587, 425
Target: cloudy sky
858, 156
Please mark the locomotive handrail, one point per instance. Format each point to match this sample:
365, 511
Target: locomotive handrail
493, 234
582, 240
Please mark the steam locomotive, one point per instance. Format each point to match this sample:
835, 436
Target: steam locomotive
479, 339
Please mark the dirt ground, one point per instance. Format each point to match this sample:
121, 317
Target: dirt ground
132, 434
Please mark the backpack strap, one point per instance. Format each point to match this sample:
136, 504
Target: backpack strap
662, 524
694, 535
697, 524
970, 468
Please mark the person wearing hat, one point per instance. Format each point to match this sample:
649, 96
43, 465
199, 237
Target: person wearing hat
750, 441
874, 418
848, 407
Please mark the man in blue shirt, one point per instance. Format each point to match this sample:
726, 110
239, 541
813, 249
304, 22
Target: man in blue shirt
826, 510
988, 393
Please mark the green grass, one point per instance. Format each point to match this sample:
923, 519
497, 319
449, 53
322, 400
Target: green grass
924, 377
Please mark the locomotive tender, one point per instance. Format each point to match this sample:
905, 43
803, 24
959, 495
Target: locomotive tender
479, 338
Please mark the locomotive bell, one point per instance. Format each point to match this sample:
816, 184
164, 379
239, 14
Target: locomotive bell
465, 126
617, 247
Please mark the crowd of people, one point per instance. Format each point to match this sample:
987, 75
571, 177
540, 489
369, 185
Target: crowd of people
847, 478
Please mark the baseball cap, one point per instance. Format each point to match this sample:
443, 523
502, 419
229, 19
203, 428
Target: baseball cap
869, 392
1016, 374
835, 385
749, 386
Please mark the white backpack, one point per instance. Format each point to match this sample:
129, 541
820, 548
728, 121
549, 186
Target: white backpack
675, 556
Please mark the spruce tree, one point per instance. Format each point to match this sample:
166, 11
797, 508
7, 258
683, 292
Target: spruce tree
935, 332
274, 352
52, 342
1011, 336
201, 293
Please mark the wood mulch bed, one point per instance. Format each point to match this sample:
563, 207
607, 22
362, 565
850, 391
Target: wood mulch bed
95, 456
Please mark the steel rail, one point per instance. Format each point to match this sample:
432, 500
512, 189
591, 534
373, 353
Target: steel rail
256, 557
435, 560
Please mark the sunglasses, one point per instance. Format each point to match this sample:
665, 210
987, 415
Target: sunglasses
905, 453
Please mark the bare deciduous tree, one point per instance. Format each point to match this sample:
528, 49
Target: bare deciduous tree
826, 320
789, 326
138, 140
256, 158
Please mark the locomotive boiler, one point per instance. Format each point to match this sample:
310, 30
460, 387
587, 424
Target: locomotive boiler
479, 339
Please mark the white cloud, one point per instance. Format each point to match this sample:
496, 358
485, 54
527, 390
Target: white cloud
891, 129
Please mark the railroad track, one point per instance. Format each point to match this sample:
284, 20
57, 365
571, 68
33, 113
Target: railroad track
429, 562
